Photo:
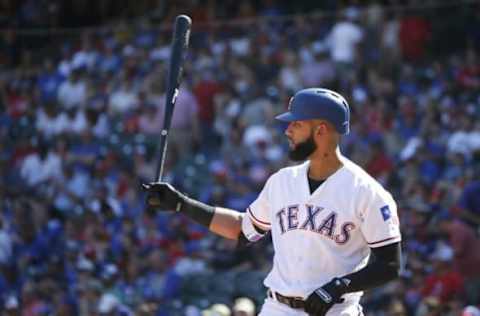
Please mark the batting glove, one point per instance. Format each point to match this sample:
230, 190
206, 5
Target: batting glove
163, 196
322, 299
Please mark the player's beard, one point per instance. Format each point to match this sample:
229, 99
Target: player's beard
303, 150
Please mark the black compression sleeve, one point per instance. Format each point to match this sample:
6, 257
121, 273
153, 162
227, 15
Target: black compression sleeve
384, 267
198, 211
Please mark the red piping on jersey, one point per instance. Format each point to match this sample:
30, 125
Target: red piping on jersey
256, 219
377, 242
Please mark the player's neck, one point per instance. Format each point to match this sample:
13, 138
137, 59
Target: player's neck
324, 164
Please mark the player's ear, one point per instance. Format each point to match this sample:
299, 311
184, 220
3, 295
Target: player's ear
320, 129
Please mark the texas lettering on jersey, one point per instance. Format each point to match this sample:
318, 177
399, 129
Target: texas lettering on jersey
288, 219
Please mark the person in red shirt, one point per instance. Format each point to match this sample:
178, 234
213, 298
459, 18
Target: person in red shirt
205, 90
444, 282
469, 74
466, 254
414, 35
380, 165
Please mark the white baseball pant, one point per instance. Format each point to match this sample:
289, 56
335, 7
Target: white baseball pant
272, 307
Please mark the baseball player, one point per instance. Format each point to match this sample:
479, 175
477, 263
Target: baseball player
335, 230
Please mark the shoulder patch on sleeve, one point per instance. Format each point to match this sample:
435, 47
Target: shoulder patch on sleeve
386, 213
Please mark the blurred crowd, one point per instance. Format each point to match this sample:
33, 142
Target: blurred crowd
79, 130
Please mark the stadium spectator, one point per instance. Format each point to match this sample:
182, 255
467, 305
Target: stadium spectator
73, 92
343, 40
243, 306
443, 282
466, 258
469, 204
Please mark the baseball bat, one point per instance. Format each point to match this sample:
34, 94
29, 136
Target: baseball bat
178, 50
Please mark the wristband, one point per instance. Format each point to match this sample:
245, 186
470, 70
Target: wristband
249, 230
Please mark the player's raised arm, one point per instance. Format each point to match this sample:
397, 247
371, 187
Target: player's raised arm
222, 221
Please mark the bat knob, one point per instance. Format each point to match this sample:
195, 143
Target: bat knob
183, 19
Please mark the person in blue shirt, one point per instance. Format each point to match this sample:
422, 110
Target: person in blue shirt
48, 81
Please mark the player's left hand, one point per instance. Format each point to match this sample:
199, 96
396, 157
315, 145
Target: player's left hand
163, 196
322, 299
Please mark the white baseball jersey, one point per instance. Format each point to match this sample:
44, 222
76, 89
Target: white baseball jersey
326, 234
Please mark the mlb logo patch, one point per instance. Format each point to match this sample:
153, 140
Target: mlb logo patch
386, 214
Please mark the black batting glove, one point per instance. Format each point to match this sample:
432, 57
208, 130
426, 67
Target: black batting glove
163, 196
322, 299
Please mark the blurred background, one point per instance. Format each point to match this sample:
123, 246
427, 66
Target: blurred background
81, 106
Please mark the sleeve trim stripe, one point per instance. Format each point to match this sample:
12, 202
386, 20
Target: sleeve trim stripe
384, 240
263, 223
